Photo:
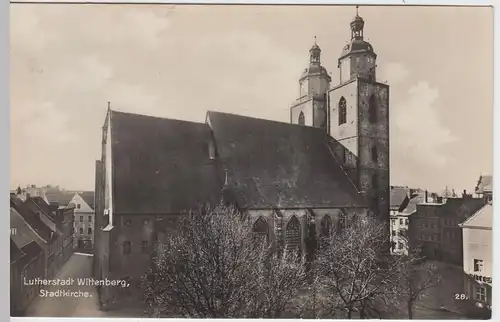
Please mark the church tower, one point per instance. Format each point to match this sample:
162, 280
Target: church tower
359, 118
310, 109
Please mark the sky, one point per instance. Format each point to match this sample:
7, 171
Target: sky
68, 61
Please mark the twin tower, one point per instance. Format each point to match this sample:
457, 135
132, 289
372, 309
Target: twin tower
354, 111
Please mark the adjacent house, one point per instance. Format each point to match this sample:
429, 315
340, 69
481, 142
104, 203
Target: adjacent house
26, 263
478, 255
84, 219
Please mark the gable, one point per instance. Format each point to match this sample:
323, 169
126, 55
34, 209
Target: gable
80, 204
483, 218
24, 232
280, 165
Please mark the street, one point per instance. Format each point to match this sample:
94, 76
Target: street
78, 266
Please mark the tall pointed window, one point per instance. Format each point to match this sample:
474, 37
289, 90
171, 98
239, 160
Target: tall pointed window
342, 111
372, 109
341, 222
293, 236
260, 230
326, 227
374, 153
302, 119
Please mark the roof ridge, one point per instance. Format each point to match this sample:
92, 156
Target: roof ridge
341, 167
475, 214
311, 128
154, 117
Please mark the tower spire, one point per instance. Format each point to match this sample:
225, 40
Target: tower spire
357, 25
315, 53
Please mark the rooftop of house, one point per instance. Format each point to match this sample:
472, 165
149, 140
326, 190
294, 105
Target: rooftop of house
163, 165
398, 196
40, 203
32, 219
88, 197
30, 250
483, 218
15, 252
61, 198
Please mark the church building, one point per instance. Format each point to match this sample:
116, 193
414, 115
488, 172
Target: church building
329, 162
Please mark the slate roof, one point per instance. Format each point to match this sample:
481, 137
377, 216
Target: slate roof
88, 197
161, 165
30, 250
32, 219
280, 165
485, 184
38, 201
411, 207
60, 198
398, 195
483, 218
15, 252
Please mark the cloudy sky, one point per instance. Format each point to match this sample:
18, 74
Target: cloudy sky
178, 62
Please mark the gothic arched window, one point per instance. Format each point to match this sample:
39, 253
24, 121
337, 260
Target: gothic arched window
372, 109
260, 229
342, 111
374, 153
293, 236
326, 226
342, 222
302, 119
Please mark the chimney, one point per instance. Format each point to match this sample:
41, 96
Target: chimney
426, 196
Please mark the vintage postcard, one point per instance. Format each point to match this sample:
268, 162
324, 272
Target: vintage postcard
251, 161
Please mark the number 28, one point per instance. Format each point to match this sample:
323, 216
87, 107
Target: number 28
460, 296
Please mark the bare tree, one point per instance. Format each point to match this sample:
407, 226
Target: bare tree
417, 277
356, 271
213, 266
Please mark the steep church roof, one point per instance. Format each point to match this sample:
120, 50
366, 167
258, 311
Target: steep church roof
280, 165
161, 165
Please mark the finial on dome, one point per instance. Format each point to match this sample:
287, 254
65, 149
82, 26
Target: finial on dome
357, 10
315, 40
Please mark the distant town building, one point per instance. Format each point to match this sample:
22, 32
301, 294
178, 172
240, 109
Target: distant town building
478, 255
33, 220
404, 202
84, 219
434, 227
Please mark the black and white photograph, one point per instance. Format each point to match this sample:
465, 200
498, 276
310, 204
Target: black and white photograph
251, 161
